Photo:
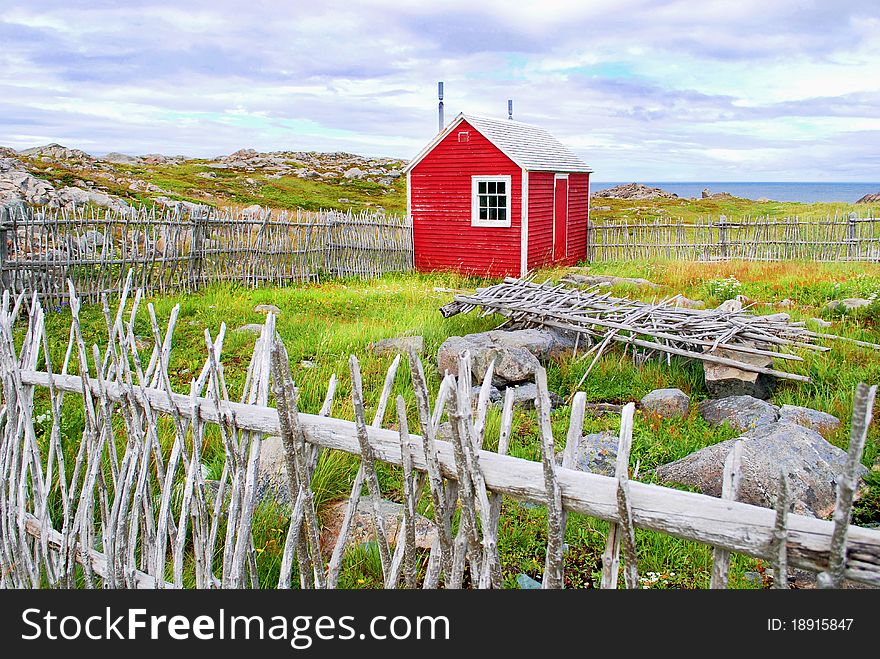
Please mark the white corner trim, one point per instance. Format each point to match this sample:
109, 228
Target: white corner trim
524, 226
567, 213
475, 208
409, 194
587, 232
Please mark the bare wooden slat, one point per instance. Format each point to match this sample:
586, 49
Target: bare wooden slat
730, 484
780, 535
863, 406
611, 556
554, 560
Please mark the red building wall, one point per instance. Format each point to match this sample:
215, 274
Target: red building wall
541, 187
440, 198
578, 208
540, 219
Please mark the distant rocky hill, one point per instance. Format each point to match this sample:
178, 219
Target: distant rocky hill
59, 176
634, 191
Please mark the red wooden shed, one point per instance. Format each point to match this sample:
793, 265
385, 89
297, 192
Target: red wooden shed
497, 197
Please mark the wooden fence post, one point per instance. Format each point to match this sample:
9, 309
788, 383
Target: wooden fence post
196, 250
851, 247
589, 251
722, 236
4, 254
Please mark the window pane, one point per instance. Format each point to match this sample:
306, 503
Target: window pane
493, 201
502, 214
484, 201
481, 187
491, 187
493, 214
502, 202
484, 214
501, 186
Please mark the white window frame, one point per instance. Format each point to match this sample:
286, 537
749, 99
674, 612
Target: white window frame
475, 201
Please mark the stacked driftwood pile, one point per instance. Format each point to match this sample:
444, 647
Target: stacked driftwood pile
598, 319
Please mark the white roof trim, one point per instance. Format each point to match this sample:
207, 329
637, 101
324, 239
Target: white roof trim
554, 157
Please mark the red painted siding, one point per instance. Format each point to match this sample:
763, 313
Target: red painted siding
578, 191
540, 219
440, 197
560, 220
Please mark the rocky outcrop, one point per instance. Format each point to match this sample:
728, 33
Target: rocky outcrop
75, 197
17, 185
182, 207
666, 403
871, 198
56, 152
741, 413
120, 159
812, 466
634, 191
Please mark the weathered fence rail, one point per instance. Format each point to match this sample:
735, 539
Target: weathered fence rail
134, 509
837, 238
40, 249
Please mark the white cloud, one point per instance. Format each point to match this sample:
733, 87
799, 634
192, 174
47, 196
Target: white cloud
639, 88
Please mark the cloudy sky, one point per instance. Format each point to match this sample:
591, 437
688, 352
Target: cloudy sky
734, 90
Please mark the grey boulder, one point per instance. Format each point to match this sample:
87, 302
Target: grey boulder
516, 353
597, 453
666, 403
524, 395
812, 466
362, 529
847, 304
739, 412
821, 422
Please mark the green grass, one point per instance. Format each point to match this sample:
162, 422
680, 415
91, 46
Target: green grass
325, 323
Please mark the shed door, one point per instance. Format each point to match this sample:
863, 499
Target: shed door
560, 218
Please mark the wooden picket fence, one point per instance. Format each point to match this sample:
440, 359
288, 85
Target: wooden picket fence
135, 511
170, 251
833, 238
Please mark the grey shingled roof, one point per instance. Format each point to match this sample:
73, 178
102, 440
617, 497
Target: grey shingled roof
527, 145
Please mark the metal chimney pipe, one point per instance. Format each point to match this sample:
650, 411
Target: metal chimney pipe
440, 107
510, 108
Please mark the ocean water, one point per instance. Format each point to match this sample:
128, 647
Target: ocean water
804, 192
